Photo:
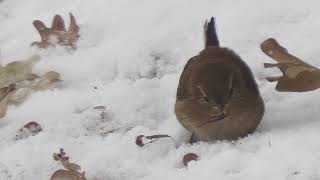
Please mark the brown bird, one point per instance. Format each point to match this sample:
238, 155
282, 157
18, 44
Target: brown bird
217, 96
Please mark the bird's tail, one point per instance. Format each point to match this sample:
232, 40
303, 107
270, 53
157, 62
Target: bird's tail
210, 33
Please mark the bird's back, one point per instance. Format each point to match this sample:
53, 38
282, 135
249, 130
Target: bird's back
217, 96
217, 71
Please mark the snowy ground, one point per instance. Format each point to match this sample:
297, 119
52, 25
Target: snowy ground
134, 52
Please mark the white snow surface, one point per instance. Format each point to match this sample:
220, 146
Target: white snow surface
134, 53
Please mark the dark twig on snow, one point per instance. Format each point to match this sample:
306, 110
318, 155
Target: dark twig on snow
142, 140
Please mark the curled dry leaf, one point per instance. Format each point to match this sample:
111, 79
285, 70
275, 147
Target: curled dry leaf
14, 72
17, 71
30, 129
72, 171
189, 157
16, 93
49, 80
57, 34
5, 95
298, 76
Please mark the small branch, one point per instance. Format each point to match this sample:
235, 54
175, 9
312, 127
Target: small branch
142, 140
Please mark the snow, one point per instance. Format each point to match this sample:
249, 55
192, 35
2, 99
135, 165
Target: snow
134, 53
